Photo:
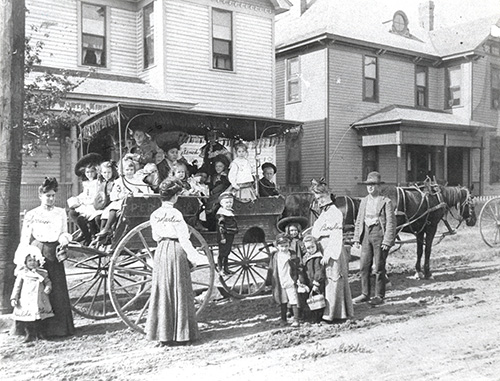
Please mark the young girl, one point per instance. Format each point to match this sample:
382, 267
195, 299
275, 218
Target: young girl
144, 150
285, 267
292, 226
107, 178
171, 316
123, 187
82, 210
240, 174
181, 174
315, 273
218, 184
30, 296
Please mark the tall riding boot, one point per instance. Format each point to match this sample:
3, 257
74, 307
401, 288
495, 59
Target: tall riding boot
30, 330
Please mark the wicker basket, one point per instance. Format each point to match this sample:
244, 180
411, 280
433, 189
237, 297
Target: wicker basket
316, 302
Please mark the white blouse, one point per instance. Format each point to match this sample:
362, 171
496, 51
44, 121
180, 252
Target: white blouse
167, 222
89, 192
240, 172
328, 229
44, 225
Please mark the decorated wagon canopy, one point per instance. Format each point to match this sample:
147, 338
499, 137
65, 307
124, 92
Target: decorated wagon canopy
154, 120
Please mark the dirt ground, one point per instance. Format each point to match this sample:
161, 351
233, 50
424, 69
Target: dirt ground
446, 328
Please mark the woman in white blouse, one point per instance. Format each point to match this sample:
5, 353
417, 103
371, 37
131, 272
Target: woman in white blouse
172, 315
46, 227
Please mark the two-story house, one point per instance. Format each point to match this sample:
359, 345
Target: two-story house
214, 55
380, 91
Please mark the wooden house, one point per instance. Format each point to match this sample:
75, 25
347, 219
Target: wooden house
214, 55
379, 90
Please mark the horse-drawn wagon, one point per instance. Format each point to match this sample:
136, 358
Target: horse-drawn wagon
115, 278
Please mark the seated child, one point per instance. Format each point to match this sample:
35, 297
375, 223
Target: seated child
218, 185
125, 185
181, 174
227, 228
107, 179
267, 187
144, 150
285, 267
30, 296
315, 273
240, 175
82, 210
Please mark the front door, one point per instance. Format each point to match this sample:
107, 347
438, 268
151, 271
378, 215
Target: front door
455, 166
420, 163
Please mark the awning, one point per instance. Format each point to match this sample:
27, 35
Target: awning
192, 122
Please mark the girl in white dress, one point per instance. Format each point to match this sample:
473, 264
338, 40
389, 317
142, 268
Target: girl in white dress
240, 175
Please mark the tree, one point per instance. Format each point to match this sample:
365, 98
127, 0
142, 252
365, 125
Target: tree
12, 32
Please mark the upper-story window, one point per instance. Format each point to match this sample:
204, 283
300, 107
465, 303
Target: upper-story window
148, 32
93, 35
370, 84
400, 23
495, 87
293, 79
453, 85
421, 86
222, 39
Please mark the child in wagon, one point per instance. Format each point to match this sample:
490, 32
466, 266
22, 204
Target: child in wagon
240, 174
30, 296
227, 228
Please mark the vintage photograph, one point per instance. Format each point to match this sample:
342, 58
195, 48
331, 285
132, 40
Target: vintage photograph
249, 190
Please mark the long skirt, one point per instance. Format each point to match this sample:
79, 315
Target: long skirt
172, 314
61, 324
337, 291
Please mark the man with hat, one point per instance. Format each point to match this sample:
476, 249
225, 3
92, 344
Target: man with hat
226, 230
267, 187
375, 229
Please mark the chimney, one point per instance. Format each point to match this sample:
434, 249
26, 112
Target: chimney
426, 15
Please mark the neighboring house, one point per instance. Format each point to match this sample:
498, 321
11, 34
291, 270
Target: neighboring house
380, 91
215, 55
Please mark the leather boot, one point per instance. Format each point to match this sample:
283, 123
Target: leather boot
40, 330
30, 332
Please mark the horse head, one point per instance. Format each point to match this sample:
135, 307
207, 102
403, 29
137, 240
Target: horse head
467, 208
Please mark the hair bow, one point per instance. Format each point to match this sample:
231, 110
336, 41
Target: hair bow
321, 181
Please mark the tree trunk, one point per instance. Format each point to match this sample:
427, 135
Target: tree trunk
12, 33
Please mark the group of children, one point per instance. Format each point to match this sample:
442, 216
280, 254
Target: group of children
297, 273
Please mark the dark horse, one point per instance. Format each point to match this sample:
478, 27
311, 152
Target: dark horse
420, 209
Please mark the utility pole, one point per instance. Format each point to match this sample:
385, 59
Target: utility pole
12, 35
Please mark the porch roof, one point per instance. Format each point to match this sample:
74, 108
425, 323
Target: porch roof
396, 115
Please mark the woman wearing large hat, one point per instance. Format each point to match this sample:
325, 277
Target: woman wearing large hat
328, 230
169, 143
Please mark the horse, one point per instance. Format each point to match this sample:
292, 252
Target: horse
420, 209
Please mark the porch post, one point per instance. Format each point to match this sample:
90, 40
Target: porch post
398, 158
445, 158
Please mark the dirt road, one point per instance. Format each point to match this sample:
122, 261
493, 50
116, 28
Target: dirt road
447, 328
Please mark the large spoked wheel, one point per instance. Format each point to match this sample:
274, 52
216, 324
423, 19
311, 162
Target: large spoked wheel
248, 266
130, 275
87, 277
489, 222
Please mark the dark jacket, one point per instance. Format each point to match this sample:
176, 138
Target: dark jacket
226, 225
386, 219
315, 272
267, 188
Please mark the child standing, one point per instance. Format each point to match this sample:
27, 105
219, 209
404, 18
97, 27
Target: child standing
30, 296
285, 269
171, 316
240, 174
315, 273
226, 230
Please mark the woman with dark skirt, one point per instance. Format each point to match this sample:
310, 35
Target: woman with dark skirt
172, 315
46, 227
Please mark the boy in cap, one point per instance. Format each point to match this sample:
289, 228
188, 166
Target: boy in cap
375, 229
267, 187
226, 230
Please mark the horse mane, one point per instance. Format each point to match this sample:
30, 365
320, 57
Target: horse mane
453, 196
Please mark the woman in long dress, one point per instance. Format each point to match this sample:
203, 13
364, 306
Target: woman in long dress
172, 315
327, 229
46, 227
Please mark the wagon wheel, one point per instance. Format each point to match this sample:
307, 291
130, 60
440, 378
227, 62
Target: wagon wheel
489, 222
248, 263
130, 275
87, 277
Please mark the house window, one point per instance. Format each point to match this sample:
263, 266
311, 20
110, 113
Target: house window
293, 80
149, 39
495, 160
454, 80
222, 39
421, 81
93, 35
293, 169
370, 160
495, 87
370, 85
400, 23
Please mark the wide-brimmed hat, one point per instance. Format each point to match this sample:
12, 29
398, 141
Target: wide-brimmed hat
89, 159
284, 222
166, 143
222, 159
268, 165
373, 178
